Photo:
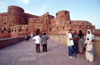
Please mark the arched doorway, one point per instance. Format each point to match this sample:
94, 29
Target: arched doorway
38, 31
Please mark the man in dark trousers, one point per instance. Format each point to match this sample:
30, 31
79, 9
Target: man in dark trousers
37, 42
75, 36
27, 38
44, 42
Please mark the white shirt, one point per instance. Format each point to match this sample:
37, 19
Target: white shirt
70, 42
31, 36
37, 38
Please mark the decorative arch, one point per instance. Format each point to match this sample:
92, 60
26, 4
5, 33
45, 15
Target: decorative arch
38, 30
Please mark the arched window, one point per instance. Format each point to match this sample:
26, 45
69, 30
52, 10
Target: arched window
4, 28
5, 23
19, 30
65, 12
63, 27
38, 31
15, 29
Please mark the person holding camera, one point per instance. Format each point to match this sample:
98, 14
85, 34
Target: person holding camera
89, 46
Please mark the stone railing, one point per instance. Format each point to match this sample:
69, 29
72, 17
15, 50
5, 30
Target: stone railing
63, 40
8, 41
59, 38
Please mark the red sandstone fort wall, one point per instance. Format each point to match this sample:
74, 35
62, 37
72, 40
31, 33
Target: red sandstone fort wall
3, 19
16, 23
61, 28
19, 30
48, 17
27, 15
38, 23
16, 16
4, 32
63, 16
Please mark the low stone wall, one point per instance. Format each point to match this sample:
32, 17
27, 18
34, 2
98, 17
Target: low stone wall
59, 38
97, 46
8, 41
63, 40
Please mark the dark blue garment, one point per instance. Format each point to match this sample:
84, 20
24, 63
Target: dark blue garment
76, 48
75, 35
26, 37
70, 51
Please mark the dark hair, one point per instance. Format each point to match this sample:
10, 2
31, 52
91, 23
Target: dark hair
44, 33
37, 33
80, 33
70, 29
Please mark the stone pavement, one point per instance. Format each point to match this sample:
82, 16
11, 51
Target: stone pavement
24, 53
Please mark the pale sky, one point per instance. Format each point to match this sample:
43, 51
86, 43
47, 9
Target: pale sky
88, 10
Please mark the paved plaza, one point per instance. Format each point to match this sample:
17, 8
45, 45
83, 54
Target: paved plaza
24, 53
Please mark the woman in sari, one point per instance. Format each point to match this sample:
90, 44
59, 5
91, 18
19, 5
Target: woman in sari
80, 42
89, 46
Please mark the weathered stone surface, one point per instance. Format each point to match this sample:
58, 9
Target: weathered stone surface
27, 58
24, 53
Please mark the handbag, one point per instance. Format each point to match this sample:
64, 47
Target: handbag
89, 47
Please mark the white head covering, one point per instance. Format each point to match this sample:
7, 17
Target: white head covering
89, 35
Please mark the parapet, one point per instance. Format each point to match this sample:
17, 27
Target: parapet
15, 8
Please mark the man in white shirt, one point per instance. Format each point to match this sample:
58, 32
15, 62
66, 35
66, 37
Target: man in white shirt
70, 44
37, 42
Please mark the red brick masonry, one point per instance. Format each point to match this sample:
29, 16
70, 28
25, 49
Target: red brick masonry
16, 23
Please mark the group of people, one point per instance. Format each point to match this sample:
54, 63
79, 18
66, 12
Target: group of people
41, 40
78, 43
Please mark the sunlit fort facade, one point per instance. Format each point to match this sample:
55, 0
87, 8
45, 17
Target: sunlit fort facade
16, 23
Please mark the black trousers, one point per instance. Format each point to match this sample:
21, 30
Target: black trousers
37, 48
76, 48
44, 47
